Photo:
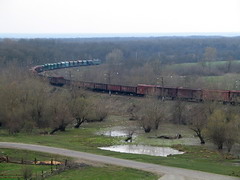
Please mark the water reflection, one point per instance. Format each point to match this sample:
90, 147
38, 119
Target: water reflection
141, 149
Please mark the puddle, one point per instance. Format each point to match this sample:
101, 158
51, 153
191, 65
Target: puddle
141, 149
115, 133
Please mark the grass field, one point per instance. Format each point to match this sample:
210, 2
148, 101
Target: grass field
213, 63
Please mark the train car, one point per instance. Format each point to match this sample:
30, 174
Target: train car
234, 97
218, 95
89, 85
79, 84
96, 61
144, 89
100, 87
59, 65
90, 62
57, 81
37, 69
189, 94
84, 62
63, 64
75, 64
114, 88
129, 90
79, 62
66, 64
71, 64
166, 92
55, 66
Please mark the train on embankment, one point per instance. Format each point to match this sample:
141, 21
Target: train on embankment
188, 94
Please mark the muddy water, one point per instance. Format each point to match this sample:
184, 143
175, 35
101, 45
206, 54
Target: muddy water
141, 149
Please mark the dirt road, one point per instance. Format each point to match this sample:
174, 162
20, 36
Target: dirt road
168, 172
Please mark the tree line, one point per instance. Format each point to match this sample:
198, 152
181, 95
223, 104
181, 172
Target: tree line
135, 50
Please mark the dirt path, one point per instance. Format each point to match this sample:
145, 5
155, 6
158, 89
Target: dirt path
170, 172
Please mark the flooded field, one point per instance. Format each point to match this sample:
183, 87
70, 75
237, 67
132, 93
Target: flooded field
141, 149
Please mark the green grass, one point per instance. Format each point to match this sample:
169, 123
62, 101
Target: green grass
8, 170
30, 155
103, 173
14, 171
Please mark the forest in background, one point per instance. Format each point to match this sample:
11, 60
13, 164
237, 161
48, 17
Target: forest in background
135, 51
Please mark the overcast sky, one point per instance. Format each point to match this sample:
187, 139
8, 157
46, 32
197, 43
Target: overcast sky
119, 16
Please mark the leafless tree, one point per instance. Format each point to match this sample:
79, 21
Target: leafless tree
197, 118
132, 110
153, 113
179, 112
80, 108
98, 110
58, 113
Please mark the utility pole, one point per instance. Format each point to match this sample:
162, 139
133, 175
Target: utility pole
162, 88
108, 79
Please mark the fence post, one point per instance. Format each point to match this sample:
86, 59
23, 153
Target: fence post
65, 162
35, 161
22, 161
7, 159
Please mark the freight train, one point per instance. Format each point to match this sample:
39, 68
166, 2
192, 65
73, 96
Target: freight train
198, 95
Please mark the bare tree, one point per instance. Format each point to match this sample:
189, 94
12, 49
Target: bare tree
98, 110
80, 108
58, 112
132, 110
197, 120
153, 113
179, 112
